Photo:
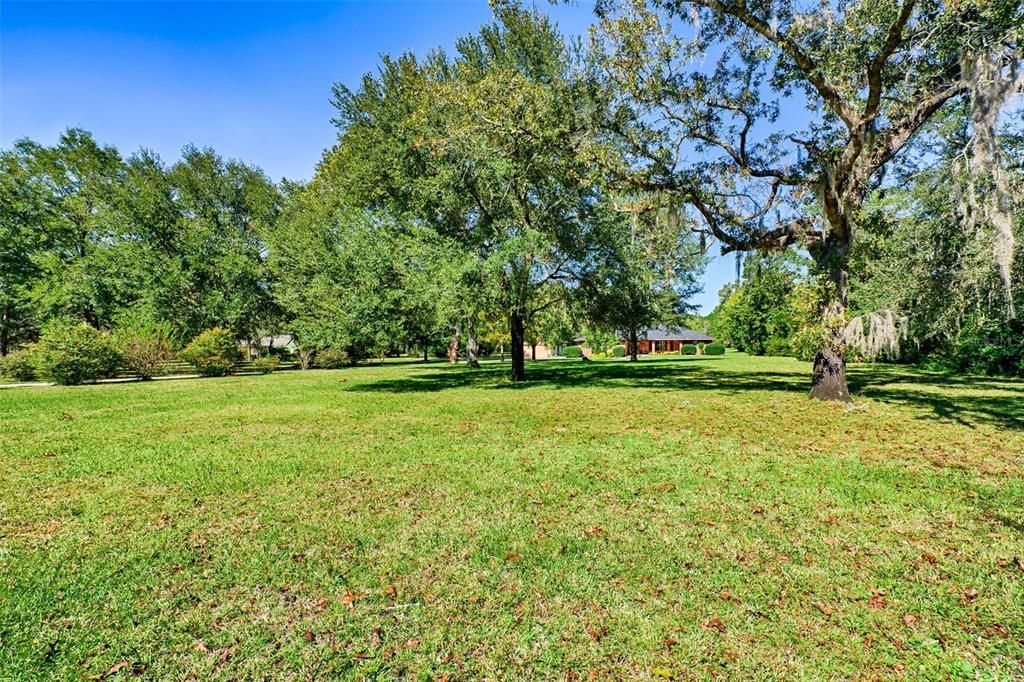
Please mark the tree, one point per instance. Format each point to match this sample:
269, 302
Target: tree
216, 272
358, 281
870, 74
485, 149
923, 263
648, 275
767, 313
21, 215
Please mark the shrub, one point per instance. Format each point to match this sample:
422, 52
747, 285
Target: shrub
19, 365
267, 364
214, 353
331, 358
72, 353
715, 348
688, 349
144, 347
618, 351
573, 352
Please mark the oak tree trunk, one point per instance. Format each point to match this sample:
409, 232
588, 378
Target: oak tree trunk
472, 347
533, 351
634, 340
828, 380
518, 334
453, 347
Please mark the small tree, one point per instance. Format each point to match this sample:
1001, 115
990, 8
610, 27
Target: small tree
71, 353
144, 346
214, 352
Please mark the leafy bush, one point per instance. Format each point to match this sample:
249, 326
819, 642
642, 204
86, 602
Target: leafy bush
144, 347
267, 364
72, 353
573, 352
688, 349
332, 358
618, 351
19, 365
214, 353
715, 348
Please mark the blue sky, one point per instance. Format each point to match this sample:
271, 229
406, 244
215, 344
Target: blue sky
250, 79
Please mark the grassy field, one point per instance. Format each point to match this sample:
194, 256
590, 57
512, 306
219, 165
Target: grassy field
678, 518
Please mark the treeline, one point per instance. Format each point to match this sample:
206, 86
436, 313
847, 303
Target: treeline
524, 186
461, 212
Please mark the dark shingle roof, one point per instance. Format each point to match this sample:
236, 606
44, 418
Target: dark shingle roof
675, 334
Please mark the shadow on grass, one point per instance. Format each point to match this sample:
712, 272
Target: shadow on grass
965, 400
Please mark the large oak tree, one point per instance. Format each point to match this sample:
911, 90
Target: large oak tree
773, 120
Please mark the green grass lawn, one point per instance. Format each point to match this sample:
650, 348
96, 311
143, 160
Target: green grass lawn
680, 517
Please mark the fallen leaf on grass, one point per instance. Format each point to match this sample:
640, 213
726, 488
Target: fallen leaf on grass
594, 531
663, 673
877, 601
930, 558
825, 608
713, 624
114, 669
350, 598
412, 644
970, 594
909, 620
598, 633
201, 647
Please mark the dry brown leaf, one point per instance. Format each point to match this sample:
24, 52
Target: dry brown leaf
350, 598
713, 624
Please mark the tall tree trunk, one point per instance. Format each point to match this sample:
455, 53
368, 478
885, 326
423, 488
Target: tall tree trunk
472, 347
828, 381
5, 335
518, 333
426, 352
533, 350
634, 341
453, 347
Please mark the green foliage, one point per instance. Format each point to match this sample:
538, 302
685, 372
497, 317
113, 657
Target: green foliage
72, 353
144, 346
688, 349
486, 148
332, 358
213, 352
90, 235
618, 351
266, 364
774, 311
19, 365
572, 352
715, 348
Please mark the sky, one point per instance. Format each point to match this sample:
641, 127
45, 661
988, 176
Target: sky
250, 79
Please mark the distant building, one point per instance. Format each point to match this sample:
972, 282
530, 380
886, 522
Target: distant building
665, 340
279, 342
